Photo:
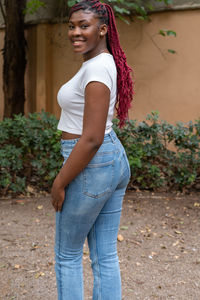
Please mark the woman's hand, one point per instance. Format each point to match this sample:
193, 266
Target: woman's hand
58, 195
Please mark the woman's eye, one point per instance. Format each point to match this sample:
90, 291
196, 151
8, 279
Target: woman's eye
70, 27
84, 26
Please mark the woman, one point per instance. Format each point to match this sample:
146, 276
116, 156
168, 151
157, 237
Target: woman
87, 193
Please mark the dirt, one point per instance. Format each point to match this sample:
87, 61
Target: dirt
159, 254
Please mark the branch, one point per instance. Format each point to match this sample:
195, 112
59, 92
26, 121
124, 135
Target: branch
2, 11
156, 45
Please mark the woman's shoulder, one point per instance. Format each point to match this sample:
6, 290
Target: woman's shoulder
100, 68
103, 61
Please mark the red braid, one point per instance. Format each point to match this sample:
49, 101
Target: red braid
124, 81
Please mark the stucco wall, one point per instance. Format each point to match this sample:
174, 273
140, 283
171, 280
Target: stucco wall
56, 9
164, 82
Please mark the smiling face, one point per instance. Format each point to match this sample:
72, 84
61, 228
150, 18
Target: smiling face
86, 34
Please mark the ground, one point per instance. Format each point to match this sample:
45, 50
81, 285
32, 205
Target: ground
159, 250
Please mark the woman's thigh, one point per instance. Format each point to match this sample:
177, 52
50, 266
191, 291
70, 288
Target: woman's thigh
84, 199
99, 188
103, 235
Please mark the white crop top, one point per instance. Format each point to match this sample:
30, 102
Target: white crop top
71, 98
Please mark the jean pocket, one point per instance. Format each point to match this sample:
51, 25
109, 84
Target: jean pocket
98, 179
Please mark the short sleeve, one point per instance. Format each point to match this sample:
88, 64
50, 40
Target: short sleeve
97, 72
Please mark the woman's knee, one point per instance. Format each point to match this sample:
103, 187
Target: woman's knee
68, 255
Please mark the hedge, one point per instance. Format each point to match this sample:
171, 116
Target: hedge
161, 155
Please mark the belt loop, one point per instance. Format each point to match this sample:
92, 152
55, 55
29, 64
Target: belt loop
111, 137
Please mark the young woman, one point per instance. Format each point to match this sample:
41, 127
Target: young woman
87, 193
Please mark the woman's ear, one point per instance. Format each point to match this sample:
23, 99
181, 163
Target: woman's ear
103, 30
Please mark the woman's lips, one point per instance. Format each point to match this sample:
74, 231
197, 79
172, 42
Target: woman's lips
77, 43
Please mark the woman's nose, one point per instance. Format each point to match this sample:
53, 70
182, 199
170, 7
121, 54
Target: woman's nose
76, 31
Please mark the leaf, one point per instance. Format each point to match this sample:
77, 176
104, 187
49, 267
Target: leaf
178, 232
29, 189
165, 32
39, 274
17, 266
71, 2
171, 33
40, 207
124, 227
162, 32
141, 18
121, 10
32, 6
176, 243
197, 262
34, 247
171, 51
2, 266
196, 204
170, 235
168, 2
150, 6
120, 238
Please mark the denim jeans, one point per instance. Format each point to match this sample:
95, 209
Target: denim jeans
92, 209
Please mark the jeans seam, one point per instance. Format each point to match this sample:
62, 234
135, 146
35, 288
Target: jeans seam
60, 265
97, 260
112, 137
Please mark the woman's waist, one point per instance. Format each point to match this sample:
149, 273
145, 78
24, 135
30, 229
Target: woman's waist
73, 136
69, 136
68, 140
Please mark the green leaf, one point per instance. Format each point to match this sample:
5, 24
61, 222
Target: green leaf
172, 51
124, 227
171, 33
71, 2
168, 2
162, 32
165, 32
150, 6
32, 6
121, 10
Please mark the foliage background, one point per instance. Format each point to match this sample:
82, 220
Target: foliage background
162, 156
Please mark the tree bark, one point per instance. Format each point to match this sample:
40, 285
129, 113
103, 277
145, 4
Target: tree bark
14, 54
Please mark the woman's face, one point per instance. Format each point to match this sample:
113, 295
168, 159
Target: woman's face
85, 33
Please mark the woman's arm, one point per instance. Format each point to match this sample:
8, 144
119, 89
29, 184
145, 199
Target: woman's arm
97, 98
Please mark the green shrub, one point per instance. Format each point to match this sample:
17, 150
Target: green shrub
29, 152
161, 155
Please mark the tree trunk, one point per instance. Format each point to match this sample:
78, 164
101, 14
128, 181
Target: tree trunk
14, 54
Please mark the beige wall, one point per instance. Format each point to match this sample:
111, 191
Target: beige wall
163, 81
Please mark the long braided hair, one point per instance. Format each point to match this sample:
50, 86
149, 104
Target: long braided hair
124, 81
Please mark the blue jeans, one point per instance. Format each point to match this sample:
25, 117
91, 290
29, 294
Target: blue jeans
92, 209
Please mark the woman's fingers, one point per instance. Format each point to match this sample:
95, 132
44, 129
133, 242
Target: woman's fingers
59, 207
58, 196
